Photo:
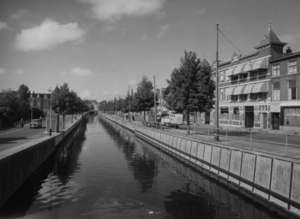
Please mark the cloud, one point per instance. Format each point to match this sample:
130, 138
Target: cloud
78, 72
115, 9
2, 71
163, 30
132, 82
19, 72
3, 25
115, 93
106, 92
290, 38
201, 11
19, 14
47, 35
85, 94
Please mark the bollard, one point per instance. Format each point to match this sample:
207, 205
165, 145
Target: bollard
226, 137
208, 133
286, 145
251, 145
50, 132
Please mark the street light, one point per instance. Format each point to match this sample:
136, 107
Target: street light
50, 129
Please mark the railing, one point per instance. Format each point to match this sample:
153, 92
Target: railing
246, 80
280, 144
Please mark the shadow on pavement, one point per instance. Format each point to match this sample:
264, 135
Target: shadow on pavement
11, 140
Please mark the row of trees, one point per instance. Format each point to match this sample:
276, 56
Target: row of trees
190, 89
15, 105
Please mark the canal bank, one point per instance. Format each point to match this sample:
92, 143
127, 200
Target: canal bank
272, 178
18, 163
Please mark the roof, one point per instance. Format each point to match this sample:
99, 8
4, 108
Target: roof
270, 38
205, 63
286, 56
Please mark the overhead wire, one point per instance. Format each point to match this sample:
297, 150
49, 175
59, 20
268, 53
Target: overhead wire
230, 41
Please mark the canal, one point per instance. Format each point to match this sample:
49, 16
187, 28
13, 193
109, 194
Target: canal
106, 172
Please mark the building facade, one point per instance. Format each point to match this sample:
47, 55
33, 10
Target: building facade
285, 92
245, 97
40, 101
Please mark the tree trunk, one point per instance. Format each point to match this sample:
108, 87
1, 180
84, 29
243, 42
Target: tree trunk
144, 116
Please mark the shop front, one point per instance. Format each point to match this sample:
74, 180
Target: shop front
290, 118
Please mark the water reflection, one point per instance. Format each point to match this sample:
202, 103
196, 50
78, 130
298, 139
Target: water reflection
199, 196
43, 184
143, 167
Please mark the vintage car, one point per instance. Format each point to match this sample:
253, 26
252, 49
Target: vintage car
35, 123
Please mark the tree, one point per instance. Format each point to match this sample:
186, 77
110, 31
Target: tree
144, 95
191, 86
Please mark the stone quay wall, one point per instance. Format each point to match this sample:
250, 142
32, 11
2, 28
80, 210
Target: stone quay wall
18, 163
273, 178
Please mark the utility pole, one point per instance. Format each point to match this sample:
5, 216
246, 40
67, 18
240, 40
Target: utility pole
217, 90
154, 101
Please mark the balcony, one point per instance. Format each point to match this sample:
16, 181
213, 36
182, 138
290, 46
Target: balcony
246, 80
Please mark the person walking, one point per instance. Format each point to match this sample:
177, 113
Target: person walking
22, 123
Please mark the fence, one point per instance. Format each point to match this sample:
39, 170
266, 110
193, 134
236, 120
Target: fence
281, 144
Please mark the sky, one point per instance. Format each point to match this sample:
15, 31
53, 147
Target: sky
101, 47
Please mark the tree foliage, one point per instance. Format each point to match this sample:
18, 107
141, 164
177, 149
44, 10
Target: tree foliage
144, 97
191, 86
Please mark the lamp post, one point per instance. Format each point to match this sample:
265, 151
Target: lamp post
50, 129
217, 91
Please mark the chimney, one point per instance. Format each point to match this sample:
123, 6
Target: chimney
288, 51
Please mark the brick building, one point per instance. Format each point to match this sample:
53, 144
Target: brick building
285, 91
245, 86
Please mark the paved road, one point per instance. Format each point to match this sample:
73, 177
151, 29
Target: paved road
17, 136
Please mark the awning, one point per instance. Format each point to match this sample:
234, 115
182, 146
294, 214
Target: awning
229, 91
248, 67
263, 63
248, 89
238, 90
260, 88
229, 72
238, 69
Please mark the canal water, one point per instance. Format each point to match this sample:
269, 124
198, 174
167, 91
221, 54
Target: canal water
106, 172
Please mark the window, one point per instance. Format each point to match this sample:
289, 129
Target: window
236, 113
234, 97
243, 97
292, 67
222, 77
276, 91
224, 110
292, 90
253, 96
262, 96
276, 70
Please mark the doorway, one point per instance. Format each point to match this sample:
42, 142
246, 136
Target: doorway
265, 119
275, 120
249, 116
207, 117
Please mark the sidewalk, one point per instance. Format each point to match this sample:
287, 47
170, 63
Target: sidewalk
16, 136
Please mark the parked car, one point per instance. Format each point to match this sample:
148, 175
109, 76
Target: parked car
35, 123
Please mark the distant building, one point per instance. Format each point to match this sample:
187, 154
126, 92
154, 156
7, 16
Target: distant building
246, 83
40, 101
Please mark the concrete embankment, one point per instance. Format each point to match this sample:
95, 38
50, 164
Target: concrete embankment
273, 178
18, 163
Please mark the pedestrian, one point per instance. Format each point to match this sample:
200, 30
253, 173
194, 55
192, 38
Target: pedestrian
22, 123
